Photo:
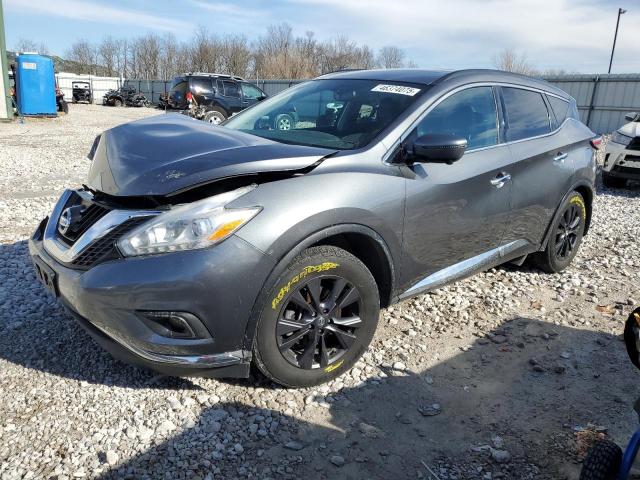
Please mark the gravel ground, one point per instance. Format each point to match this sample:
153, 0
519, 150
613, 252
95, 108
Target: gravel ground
508, 374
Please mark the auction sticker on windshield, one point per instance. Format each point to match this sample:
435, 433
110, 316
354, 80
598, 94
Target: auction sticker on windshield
399, 89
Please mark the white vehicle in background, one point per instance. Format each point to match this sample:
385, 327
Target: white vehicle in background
622, 154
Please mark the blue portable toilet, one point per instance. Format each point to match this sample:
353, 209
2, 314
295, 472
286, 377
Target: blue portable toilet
35, 85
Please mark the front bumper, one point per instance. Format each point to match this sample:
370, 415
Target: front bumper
619, 161
218, 286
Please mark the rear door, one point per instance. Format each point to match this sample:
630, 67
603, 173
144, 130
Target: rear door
456, 214
231, 96
542, 165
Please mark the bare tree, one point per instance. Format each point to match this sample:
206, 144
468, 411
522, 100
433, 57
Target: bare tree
26, 45
510, 61
390, 57
235, 55
276, 54
108, 53
169, 51
82, 52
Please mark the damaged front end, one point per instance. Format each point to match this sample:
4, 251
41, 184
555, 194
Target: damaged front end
161, 185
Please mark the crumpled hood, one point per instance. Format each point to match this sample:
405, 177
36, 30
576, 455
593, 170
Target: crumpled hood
168, 153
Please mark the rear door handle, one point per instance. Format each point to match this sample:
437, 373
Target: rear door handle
500, 179
560, 157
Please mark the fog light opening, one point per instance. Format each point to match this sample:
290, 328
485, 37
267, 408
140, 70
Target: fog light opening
175, 324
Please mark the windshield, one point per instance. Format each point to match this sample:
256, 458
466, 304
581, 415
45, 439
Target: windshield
338, 114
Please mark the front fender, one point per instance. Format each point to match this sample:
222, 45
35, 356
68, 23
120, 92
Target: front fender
294, 250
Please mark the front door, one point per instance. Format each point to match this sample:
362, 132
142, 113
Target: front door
456, 214
250, 94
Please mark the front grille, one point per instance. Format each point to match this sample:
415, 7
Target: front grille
104, 248
634, 144
90, 213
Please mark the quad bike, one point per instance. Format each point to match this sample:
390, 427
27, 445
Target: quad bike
136, 100
126, 95
605, 460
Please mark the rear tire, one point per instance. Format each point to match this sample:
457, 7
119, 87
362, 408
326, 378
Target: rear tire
284, 122
318, 319
566, 235
603, 462
613, 182
117, 102
215, 116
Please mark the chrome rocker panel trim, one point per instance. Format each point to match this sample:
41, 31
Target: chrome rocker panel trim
464, 268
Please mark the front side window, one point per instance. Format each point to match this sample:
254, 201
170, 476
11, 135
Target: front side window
469, 114
333, 113
250, 92
527, 114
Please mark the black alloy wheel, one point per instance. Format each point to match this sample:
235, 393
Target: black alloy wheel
316, 318
567, 231
319, 322
565, 236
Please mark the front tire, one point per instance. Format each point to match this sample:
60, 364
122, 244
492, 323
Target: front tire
566, 236
318, 320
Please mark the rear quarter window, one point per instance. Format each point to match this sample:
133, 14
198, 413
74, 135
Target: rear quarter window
200, 85
560, 108
527, 114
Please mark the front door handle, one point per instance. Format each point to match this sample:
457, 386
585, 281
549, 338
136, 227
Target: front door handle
560, 157
500, 179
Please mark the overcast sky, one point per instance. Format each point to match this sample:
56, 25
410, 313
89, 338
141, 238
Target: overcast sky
574, 35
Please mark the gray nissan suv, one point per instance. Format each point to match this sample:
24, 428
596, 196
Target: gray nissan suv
196, 249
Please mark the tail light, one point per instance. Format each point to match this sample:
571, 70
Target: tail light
596, 142
189, 97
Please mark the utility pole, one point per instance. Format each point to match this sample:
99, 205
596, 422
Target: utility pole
615, 37
6, 107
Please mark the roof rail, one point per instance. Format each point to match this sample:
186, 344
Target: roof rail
221, 75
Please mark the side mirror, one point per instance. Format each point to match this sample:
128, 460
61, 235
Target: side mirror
438, 148
632, 117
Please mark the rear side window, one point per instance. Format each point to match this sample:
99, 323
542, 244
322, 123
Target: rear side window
179, 90
231, 89
469, 114
527, 114
560, 108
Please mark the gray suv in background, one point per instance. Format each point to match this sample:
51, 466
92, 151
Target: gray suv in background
197, 249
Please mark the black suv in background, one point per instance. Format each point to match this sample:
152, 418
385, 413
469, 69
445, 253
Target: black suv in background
215, 97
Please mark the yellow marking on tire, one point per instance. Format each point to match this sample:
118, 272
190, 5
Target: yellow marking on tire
578, 201
331, 368
322, 267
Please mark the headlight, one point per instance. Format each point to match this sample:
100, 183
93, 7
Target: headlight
620, 138
196, 225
